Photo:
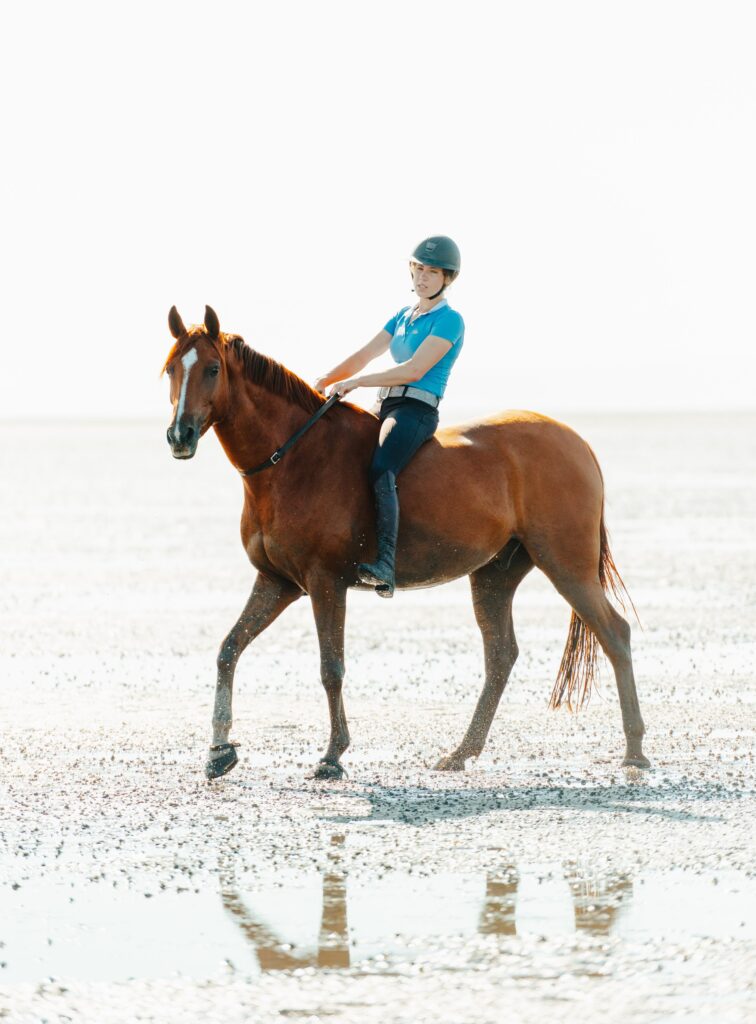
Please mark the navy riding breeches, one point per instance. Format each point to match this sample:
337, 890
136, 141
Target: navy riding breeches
406, 423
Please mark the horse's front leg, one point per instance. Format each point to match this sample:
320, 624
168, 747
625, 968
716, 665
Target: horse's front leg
329, 607
270, 595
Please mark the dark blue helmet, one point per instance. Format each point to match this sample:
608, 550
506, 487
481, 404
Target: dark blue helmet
438, 251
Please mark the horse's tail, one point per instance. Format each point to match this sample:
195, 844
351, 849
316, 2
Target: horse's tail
579, 666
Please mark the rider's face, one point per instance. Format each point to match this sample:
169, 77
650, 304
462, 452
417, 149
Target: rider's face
426, 280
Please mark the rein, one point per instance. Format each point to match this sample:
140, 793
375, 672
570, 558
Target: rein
279, 453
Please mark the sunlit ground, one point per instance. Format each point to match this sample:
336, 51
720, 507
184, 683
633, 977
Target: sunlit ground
546, 879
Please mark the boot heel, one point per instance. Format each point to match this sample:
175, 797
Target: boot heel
367, 574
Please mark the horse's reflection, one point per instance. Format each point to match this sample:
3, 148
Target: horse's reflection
596, 901
273, 954
498, 914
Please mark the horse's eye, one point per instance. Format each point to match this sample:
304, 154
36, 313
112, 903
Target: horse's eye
214, 370
169, 371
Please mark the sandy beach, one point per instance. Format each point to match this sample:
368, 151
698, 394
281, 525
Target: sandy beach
544, 883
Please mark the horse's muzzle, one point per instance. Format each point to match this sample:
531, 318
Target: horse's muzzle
183, 438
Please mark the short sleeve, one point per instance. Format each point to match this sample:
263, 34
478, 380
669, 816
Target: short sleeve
449, 325
390, 325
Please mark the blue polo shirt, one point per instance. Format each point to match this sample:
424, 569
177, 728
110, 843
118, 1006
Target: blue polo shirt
443, 322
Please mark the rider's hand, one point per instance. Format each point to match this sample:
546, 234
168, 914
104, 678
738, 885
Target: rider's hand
343, 387
320, 384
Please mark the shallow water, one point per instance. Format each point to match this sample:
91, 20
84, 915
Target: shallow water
331, 921
545, 881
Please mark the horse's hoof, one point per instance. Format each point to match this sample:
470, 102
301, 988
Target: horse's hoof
222, 759
450, 763
636, 761
328, 770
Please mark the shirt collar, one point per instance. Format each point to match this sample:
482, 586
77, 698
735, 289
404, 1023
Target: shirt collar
439, 305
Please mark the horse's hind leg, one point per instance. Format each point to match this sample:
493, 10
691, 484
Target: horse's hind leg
613, 633
493, 587
269, 597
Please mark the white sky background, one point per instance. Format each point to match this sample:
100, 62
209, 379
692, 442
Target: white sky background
596, 163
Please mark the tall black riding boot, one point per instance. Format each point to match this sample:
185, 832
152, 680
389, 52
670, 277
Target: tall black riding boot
380, 573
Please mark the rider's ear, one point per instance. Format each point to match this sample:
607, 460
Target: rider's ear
212, 326
175, 323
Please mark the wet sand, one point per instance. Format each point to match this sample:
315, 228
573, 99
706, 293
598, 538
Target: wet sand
544, 883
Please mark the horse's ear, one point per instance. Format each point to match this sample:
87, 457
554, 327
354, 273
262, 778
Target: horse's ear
175, 323
212, 326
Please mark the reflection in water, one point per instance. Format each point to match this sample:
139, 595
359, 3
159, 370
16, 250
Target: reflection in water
596, 899
333, 942
273, 954
498, 914
294, 920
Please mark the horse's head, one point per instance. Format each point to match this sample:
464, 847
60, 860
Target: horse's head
196, 366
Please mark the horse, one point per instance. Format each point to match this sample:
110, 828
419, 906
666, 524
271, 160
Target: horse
489, 499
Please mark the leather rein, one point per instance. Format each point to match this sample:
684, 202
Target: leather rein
279, 453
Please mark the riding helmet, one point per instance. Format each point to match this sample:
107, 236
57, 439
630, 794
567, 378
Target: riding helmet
438, 251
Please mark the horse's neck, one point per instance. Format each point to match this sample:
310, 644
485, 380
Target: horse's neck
257, 422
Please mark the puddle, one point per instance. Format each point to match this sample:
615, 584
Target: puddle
329, 920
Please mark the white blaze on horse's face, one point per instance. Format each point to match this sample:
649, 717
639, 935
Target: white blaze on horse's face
187, 361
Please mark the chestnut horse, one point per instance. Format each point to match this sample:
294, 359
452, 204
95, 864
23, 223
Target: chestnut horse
489, 500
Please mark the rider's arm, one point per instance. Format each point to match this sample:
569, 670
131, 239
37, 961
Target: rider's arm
357, 361
427, 355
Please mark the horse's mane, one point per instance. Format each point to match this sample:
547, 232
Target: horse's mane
272, 375
260, 369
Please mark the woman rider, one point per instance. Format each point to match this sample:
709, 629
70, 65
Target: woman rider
425, 340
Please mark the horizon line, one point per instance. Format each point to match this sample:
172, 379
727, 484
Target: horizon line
454, 410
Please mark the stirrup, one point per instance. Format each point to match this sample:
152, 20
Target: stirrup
382, 587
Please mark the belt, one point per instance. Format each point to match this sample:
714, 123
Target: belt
407, 391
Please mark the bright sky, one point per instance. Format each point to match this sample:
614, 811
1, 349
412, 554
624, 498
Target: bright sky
594, 161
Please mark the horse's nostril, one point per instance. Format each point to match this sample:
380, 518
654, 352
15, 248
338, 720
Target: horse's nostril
189, 435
